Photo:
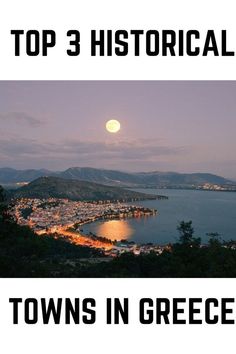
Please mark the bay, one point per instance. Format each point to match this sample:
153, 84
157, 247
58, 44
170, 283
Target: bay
210, 211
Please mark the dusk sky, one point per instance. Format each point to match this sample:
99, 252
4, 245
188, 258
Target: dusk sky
183, 126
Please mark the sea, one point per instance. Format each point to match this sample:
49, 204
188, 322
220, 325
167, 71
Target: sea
210, 211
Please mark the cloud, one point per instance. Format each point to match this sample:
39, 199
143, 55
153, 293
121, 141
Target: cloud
20, 117
126, 150
30, 152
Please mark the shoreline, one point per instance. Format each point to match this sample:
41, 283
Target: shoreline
78, 236
64, 218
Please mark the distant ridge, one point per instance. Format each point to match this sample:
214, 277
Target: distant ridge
10, 175
56, 187
115, 178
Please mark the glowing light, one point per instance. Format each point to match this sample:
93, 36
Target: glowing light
115, 230
113, 126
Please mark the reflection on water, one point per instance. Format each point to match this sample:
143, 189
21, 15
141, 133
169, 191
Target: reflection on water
115, 230
209, 211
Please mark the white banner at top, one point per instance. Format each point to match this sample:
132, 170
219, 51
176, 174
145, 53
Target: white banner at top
151, 40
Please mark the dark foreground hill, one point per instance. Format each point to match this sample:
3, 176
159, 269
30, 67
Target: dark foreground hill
55, 187
24, 254
116, 178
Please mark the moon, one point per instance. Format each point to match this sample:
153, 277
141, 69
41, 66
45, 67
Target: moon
112, 126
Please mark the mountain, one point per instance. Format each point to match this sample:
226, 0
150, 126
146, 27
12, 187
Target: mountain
55, 187
174, 178
107, 177
10, 175
160, 179
116, 178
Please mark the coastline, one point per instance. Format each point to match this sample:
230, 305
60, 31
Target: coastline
63, 218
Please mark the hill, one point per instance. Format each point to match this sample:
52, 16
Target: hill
55, 187
171, 179
156, 178
10, 175
107, 177
117, 178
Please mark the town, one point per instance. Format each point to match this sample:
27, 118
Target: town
63, 218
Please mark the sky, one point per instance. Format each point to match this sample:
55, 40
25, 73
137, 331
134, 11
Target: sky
183, 126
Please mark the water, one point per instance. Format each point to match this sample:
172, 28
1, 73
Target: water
210, 212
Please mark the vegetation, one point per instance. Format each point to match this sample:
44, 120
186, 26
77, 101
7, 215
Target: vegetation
186, 259
24, 254
55, 187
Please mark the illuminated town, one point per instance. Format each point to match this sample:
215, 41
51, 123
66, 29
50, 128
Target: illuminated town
64, 218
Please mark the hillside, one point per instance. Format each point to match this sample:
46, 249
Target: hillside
178, 179
160, 179
116, 178
55, 187
108, 177
10, 175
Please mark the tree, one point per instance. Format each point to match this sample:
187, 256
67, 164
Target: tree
186, 232
214, 239
2, 195
3, 206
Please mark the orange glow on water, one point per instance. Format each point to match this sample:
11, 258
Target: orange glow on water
115, 230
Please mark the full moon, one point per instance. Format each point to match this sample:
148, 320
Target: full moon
113, 126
